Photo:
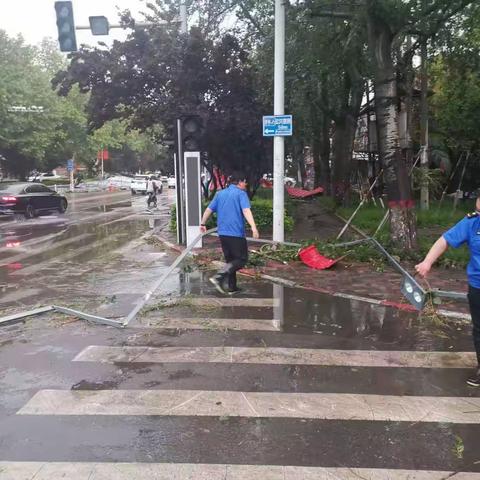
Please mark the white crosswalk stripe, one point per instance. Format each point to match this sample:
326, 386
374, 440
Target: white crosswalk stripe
194, 403
210, 324
179, 471
278, 356
329, 406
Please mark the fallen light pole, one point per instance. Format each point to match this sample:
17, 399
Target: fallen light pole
107, 321
412, 290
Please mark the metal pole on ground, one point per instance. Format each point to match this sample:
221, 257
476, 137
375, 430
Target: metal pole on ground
452, 175
460, 183
279, 109
349, 221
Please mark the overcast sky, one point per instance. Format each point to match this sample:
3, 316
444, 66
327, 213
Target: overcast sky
35, 19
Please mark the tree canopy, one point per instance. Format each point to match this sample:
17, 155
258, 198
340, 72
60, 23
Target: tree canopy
155, 77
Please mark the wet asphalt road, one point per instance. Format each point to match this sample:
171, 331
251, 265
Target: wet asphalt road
276, 383
64, 258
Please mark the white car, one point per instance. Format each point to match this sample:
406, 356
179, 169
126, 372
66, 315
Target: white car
139, 184
40, 177
172, 182
164, 179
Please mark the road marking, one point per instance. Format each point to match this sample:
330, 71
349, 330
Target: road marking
210, 324
73, 199
198, 471
64, 257
278, 356
233, 302
325, 406
53, 246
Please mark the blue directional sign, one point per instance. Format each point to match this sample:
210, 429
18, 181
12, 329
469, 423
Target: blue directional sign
277, 125
70, 166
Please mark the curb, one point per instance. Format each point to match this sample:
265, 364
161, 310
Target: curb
405, 307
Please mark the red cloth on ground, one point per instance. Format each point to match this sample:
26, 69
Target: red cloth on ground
311, 257
300, 193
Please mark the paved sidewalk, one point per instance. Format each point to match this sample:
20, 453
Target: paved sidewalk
347, 277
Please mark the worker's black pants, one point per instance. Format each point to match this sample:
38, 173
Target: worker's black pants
152, 198
474, 300
235, 251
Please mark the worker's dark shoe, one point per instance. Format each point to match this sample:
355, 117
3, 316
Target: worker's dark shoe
217, 282
474, 380
234, 291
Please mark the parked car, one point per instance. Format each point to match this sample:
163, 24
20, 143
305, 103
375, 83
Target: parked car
172, 183
30, 200
139, 184
164, 178
40, 177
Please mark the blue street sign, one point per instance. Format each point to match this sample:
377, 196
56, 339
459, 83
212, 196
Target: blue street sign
70, 166
277, 125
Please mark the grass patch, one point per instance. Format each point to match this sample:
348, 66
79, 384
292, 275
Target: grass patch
60, 181
430, 223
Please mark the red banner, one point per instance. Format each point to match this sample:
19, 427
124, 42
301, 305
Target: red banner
104, 153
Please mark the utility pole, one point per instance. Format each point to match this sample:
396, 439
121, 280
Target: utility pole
183, 17
279, 109
424, 193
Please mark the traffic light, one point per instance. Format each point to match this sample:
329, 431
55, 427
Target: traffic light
66, 26
99, 25
192, 133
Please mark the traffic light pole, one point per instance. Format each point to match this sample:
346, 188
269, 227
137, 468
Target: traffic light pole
279, 109
181, 231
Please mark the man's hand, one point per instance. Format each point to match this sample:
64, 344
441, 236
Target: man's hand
423, 268
203, 228
255, 233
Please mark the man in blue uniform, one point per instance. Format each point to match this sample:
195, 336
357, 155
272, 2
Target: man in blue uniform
467, 231
232, 207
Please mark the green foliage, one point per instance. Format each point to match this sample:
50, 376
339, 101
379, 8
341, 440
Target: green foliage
59, 181
262, 210
431, 224
433, 178
45, 140
278, 253
147, 86
455, 74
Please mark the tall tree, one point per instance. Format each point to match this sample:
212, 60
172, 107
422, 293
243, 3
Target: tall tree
144, 85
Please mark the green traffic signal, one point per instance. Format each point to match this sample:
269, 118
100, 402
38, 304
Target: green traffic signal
66, 26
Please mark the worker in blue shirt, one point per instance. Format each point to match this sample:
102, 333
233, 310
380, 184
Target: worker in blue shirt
232, 207
467, 231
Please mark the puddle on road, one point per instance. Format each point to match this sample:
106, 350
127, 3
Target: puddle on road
108, 207
300, 311
75, 237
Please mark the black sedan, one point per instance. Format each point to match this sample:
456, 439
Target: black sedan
30, 199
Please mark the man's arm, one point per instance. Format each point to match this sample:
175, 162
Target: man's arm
206, 215
437, 250
247, 213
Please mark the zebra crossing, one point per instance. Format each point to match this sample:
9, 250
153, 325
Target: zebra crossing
242, 399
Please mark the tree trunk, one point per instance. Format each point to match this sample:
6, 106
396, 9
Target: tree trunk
400, 202
345, 128
321, 154
341, 163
